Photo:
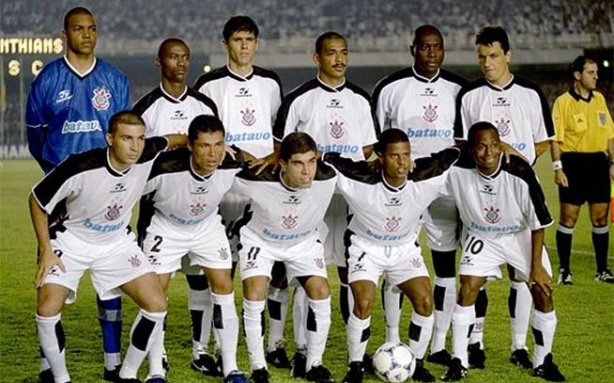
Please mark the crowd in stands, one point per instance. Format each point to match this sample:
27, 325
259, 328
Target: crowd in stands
367, 22
281, 21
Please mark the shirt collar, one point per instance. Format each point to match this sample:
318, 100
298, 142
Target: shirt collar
421, 78
331, 88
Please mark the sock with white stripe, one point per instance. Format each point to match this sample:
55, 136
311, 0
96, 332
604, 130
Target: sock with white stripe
277, 303
444, 296
392, 300
146, 328
520, 303
318, 326
420, 330
358, 334
544, 327
299, 313
253, 320
463, 319
52, 342
601, 238
564, 236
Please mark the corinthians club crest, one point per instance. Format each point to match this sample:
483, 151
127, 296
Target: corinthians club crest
248, 118
503, 126
289, 222
336, 129
197, 209
492, 215
100, 99
223, 253
392, 223
430, 113
113, 212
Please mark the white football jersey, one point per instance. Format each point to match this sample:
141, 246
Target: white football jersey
421, 107
518, 110
509, 201
182, 199
283, 215
386, 215
338, 119
246, 105
164, 114
99, 199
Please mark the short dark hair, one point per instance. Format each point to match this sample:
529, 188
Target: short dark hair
481, 126
296, 143
171, 40
239, 23
421, 29
204, 124
76, 11
491, 34
579, 63
330, 35
389, 136
125, 117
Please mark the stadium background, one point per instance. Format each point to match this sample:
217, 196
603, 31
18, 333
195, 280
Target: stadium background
545, 36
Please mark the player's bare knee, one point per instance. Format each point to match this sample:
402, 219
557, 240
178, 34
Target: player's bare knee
542, 301
317, 288
222, 288
468, 293
363, 308
47, 309
255, 288
49, 302
568, 220
155, 303
600, 221
423, 305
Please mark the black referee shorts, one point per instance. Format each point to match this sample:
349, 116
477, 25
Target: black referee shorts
588, 175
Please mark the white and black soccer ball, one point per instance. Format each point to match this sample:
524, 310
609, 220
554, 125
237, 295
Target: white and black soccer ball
394, 362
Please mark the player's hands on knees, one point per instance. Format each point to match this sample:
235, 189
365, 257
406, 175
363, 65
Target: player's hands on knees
539, 278
508, 151
560, 178
47, 259
271, 161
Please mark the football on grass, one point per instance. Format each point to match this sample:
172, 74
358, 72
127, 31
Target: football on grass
394, 362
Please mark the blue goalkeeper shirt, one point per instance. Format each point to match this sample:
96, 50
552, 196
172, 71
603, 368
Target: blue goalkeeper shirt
68, 112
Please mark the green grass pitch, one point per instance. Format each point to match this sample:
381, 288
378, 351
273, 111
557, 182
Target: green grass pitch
583, 346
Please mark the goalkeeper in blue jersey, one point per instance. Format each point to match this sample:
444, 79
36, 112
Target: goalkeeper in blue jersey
68, 110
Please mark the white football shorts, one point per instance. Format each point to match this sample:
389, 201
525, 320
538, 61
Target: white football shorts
257, 255
483, 256
166, 245
368, 262
110, 266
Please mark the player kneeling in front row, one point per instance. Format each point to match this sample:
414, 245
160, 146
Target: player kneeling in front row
504, 213
382, 235
185, 188
100, 187
287, 208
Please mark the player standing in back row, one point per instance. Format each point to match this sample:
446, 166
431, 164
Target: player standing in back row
169, 108
519, 110
421, 101
247, 97
336, 113
68, 110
